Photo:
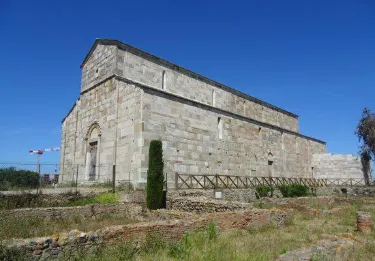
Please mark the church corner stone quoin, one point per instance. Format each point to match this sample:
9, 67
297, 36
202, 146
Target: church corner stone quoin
129, 97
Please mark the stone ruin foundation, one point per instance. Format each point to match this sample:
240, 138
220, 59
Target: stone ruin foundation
364, 222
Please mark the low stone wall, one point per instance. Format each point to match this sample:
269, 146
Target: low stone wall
249, 195
137, 196
204, 205
46, 247
128, 210
242, 195
309, 205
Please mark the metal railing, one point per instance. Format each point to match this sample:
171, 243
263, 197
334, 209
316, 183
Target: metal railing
188, 181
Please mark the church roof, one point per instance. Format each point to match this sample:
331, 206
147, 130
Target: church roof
182, 70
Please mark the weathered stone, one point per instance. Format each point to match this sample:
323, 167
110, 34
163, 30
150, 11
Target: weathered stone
128, 210
91, 236
37, 252
73, 235
334, 166
332, 247
206, 127
54, 244
48, 241
365, 223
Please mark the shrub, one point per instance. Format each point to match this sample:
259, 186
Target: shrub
211, 231
284, 189
180, 250
155, 176
126, 186
11, 177
153, 243
264, 191
294, 190
12, 254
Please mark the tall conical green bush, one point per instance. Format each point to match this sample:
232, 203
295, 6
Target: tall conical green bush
155, 176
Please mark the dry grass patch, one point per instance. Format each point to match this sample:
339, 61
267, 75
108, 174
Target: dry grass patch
33, 226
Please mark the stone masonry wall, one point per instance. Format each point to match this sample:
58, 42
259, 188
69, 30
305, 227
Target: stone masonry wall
333, 166
192, 143
126, 210
205, 127
114, 107
136, 68
100, 65
240, 195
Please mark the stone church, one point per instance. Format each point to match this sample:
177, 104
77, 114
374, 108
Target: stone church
129, 97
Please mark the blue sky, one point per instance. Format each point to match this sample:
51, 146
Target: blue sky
313, 58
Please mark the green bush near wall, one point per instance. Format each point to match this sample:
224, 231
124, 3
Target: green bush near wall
294, 190
13, 178
155, 176
264, 191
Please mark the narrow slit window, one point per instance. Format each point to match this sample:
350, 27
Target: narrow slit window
213, 98
220, 127
164, 81
270, 168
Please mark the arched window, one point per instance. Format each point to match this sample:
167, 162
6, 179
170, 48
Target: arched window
213, 98
220, 127
164, 81
94, 133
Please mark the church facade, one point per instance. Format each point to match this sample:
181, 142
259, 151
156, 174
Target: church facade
129, 97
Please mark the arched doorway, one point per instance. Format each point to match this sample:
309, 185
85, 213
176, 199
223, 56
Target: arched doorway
92, 155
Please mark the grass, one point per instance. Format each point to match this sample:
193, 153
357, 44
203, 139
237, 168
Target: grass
103, 198
32, 226
257, 244
69, 198
15, 227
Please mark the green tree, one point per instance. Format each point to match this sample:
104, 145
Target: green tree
155, 175
366, 135
12, 177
